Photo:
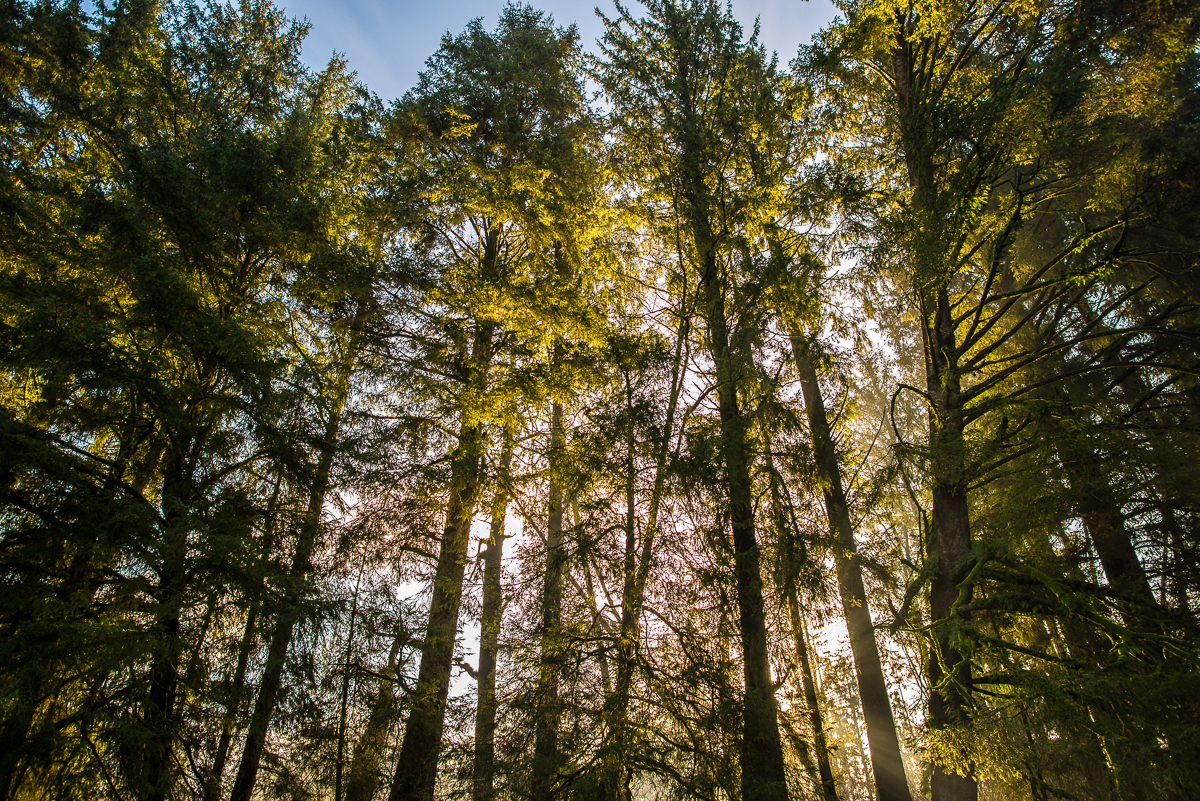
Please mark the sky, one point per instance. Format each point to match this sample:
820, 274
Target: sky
387, 42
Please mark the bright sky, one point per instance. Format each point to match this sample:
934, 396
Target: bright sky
387, 42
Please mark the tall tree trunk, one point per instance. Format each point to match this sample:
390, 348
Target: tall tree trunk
306, 543
617, 760
824, 770
233, 706
794, 555
545, 754
160, 711
949, 540
763, 774
484, 767
950, 527
696, 162
1104, 521
1087, 474
546, 757
416, 767
616, 766
887, 765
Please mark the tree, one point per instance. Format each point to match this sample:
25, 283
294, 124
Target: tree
997, 177
908, 329
684, 88
494, 130
175, 253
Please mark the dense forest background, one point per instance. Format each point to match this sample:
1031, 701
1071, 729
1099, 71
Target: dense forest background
671, 422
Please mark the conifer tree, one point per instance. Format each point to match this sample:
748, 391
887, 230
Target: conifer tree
270, 354
684, 85
986, 129
493, 130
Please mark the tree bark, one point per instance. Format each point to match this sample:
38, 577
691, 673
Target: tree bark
237, 687
212, 788
345, 699
794, 556
616, 758
160, 716
1095, 502
545, 755
416, 768
887, 764
1105, 524
764, 777
950, 527
949, 541
697, 164
824, 771
484, 768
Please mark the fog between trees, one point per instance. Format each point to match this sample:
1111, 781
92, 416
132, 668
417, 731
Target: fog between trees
844, 407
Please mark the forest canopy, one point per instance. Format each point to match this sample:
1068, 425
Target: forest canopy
654, 418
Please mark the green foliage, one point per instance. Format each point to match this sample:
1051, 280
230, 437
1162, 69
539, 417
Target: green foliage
260, 334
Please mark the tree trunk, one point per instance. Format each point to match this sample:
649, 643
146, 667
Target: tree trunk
616, 758
950, 527
545, 754
887, 765
416, 769
281, 639
1086, 473
949, 541
345, 700
236, 690
1104, 521
306, 543
489, 635
763, 774
794, 556
824, 771
160, 711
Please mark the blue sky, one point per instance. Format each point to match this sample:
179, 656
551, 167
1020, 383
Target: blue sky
387, 42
